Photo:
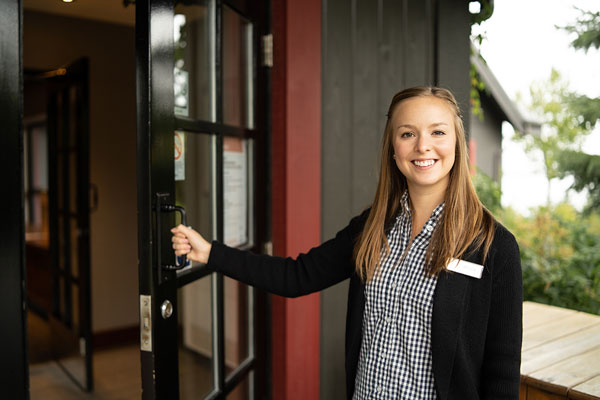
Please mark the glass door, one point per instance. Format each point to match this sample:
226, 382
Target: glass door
198, 141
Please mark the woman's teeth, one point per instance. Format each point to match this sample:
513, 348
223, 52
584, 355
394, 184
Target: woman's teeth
424, 163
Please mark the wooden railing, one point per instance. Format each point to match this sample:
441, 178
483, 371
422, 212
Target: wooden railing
561, 354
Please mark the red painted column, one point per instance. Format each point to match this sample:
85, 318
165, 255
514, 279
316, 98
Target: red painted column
296, 108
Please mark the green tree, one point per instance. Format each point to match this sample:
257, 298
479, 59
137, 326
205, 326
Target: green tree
584, 168
562, 129
488, 191
587, 30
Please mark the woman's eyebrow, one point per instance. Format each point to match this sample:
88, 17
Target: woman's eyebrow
435, 124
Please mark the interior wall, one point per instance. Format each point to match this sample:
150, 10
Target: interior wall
49, 42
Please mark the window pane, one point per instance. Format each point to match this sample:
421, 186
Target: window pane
195, 351
238, 192
194, 52
237, 323
238, 90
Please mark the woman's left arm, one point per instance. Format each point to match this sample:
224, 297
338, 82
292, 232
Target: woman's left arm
501, 373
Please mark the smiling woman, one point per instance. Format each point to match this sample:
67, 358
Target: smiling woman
434, 308
424, 143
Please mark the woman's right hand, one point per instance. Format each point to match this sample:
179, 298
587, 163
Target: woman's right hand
187, 241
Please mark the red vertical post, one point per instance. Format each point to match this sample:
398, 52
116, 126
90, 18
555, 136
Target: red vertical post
296, 188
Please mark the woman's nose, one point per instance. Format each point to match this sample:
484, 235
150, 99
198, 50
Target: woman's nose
422, 144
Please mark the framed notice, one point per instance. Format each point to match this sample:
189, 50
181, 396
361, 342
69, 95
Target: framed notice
235, 191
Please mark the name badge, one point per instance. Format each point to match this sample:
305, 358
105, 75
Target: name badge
466, 268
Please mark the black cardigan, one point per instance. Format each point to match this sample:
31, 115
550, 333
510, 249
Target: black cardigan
476, 323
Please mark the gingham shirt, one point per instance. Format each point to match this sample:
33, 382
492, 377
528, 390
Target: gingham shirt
395, 354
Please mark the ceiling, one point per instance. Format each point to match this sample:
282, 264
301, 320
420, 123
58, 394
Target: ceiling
111, 11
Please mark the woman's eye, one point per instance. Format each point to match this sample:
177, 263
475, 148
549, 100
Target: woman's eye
407, 134
437, 133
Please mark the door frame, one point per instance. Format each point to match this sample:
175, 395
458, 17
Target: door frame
156, 123
14, 368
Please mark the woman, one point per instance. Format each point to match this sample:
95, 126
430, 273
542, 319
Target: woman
420, 324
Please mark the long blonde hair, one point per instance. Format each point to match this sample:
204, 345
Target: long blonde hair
464, 223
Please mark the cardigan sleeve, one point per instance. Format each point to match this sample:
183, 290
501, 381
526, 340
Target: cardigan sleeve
319, 268
502, 355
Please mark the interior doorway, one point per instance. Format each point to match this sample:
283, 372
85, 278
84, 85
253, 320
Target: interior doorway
54, 35
102, 181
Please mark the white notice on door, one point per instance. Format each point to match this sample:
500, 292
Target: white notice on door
179, 141
235, 191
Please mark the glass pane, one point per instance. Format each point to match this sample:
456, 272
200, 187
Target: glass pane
73, 133
236, 324
238, 90
238, 192
244, 390
74, 248
195, 351
195, 190
72, 155
194, 52
195, 180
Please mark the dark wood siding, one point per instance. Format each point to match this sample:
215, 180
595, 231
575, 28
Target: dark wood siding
371, 50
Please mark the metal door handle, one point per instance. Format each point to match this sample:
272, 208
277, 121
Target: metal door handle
181, 262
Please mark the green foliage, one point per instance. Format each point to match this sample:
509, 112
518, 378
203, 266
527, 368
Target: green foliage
560, 256
587, 29
488, 191
585, 169
587, 109
477, 86
563, 129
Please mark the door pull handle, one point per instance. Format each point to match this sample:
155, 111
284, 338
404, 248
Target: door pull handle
182, 261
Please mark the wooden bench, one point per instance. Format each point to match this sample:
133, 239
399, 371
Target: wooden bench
561, 354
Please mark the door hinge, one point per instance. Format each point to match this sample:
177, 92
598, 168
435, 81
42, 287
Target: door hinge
267, 50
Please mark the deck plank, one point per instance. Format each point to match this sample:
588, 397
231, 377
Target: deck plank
535, 314
562, 376
587, 390
557, 328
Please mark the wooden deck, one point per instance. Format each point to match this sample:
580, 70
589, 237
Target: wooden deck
561, 354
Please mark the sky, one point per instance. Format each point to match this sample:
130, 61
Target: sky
522, 45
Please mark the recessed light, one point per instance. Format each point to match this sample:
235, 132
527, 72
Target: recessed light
68, 1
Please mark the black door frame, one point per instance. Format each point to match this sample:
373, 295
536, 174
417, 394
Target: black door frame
14, 369
156, 124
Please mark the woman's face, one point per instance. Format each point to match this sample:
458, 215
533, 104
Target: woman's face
424, 140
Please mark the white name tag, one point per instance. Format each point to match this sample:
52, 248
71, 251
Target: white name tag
466, 268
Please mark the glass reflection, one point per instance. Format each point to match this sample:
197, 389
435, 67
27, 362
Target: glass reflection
195, 183
194, 53
238, 89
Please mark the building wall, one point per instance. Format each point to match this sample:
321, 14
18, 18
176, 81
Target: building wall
371, 50
486, 133
49, 42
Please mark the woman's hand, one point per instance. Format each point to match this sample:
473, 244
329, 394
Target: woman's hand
187, 241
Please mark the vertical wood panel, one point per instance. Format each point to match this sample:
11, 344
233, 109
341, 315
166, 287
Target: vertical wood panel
337, 115
365, 107
453, 52
392, 70
337, 180
418, 37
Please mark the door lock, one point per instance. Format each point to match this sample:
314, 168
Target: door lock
166, 309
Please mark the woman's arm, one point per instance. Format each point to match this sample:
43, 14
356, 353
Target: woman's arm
319, 268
